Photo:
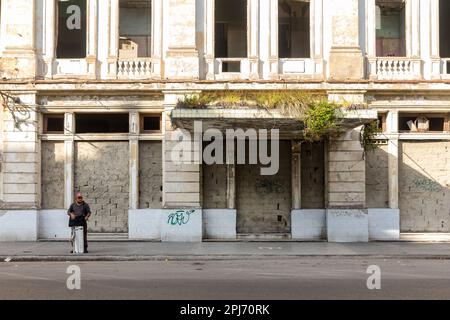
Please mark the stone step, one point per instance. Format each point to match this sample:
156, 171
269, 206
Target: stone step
425, 237
264, 236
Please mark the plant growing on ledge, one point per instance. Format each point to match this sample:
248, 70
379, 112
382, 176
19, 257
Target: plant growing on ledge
319, 116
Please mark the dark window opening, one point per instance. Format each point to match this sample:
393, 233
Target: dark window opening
135, 29
54, 123
102, 123
382, 122
390, 28
71, 29
421, 123
293, 29
230, 28
231, 66
444, 29
151, 124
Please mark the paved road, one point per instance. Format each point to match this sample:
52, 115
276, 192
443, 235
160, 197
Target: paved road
294, 278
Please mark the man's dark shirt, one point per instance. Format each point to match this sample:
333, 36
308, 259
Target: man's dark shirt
80, 211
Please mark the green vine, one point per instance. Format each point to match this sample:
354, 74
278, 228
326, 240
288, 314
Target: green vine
369, 132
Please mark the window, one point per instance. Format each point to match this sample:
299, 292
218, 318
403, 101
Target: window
151, 124
390, 25
71, 29
231, 32
382, 122
422, 123
293, 29
444, 27
135, 28
53, 123
102, 123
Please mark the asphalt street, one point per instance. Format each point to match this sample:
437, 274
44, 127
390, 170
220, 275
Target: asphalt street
272, 278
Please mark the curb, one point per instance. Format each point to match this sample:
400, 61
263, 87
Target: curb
87, 258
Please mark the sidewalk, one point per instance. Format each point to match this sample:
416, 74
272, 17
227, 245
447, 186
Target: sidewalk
145, 251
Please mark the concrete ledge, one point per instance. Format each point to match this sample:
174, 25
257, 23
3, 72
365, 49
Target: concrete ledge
347, 225
384, 224
219, 224
54, 224
181, 225
18, 225
144, 224
308, 224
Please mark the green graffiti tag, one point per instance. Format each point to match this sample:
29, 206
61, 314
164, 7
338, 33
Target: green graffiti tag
427, 185
180, 217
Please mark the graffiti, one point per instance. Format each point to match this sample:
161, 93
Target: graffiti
180, 217
427, 185
266, 186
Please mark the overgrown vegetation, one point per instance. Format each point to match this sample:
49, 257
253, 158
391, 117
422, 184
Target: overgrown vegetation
368, 133
319, 116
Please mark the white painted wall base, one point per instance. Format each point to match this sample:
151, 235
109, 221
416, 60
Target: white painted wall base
308, 224
18, 225
144, 224
54, 224
181, 225
219, 224
384, 224
348, 225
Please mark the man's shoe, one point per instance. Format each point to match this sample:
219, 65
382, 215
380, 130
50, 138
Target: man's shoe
85, 251
71, 251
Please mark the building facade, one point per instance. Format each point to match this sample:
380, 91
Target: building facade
90, 92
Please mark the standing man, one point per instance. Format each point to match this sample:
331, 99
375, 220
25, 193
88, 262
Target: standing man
79, 213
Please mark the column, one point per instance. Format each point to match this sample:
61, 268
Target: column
231, 180
182, 61
18, 35
49, 42
413, 36
346, 60
296, 175
69, 163
273, 50
21, 155
92, 38
208, 30
181, 179
434, 41
134, 160
253, 41
157, 36
347, 216
393, 160
112, 34
317, 36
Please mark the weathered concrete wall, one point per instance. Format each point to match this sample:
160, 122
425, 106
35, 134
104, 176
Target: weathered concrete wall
264, 202
313, 176
150, 175
214, 186
424, 186
21, 157
377, 189
182, 177
52, 179
346, 172
102, 174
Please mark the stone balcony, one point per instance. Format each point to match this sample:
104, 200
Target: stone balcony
394, 68
138, 68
